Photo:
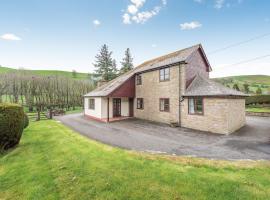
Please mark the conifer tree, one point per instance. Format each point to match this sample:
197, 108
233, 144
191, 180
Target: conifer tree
104, 64
127, 62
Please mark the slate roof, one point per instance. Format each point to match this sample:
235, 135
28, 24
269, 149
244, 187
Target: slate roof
201, 86
169, 59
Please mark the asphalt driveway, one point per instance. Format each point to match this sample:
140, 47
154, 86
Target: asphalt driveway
250, 142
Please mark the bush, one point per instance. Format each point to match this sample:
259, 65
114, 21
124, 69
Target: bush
11, 125
26, 120
258, 99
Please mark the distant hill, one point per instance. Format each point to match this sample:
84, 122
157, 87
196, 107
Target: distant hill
79, 76
254, 82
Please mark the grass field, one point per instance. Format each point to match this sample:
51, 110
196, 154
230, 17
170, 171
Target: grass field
53, 162
258, 109
79, 76
254, 81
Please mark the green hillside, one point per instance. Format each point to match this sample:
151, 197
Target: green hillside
254, 82
80, 76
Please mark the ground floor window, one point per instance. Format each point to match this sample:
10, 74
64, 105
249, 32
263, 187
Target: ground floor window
164, 104
195, 105
139, 103
91, 104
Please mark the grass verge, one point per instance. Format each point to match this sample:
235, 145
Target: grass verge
53, 162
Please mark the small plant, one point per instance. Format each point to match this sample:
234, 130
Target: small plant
11, 125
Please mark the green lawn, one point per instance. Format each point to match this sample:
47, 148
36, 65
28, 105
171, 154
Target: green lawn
258, 109
53, 162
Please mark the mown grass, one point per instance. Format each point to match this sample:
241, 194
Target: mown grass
53, 162
258, 109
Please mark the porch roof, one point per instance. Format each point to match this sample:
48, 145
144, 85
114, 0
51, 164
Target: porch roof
201, 86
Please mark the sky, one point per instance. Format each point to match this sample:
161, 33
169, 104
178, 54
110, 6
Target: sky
67, 34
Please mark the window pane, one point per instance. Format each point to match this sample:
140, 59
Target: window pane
191, 106
167, 71
162, 105
199, 106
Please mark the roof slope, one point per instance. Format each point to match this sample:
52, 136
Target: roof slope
169, 59
205, 87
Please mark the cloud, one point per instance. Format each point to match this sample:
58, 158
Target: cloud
198, 1
126, 19
219, 4
133, 13
190, 25
10, 36
96, 22
138, 3
154, 45
132, 9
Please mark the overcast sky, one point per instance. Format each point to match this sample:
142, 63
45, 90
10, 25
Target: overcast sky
66, 35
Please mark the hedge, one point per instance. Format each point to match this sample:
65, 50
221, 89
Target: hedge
26, 121
11, 125
258, 99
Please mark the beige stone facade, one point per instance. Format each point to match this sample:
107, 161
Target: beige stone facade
220, 115
152, 89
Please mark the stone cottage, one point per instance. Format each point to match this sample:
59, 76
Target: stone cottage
172, 89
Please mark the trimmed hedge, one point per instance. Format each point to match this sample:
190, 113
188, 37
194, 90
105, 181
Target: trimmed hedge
258, 99
26, 120
11, 125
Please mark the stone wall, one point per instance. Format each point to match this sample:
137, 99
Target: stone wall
221, 115
152, 90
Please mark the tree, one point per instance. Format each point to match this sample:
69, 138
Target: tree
74, 73
127, 62
236, 87
259, 91
246, 88
104, 64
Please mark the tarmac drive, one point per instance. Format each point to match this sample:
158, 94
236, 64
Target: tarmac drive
250, 142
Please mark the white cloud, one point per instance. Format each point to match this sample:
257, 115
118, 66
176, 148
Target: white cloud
126, 19
138, 3
154, 45
219, 4
96, 22
132, 9
133, 13
190, 25
10, 36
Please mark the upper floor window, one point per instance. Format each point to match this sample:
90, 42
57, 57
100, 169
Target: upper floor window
164, 105
138, 79
195, 105
139, 103
91, 104
164, 74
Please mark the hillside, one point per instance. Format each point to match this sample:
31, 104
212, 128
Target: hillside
79, 76
254, 82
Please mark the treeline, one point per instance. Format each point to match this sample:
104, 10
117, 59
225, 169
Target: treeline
42, 92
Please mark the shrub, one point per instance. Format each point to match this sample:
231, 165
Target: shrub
258, 99
11, 125
26, 120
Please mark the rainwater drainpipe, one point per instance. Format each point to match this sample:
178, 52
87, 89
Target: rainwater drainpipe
182, 87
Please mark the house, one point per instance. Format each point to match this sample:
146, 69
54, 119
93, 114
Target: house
172, 89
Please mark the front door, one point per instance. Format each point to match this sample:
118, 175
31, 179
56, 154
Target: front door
116, 107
